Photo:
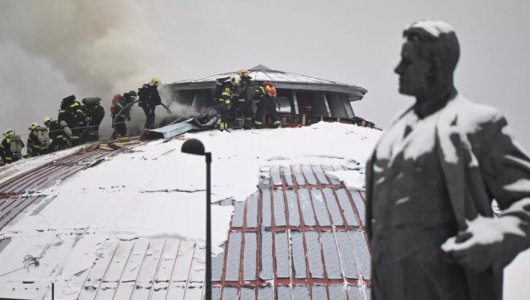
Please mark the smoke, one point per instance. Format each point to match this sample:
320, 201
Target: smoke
99, 46
176, 109
83, 47
163, 116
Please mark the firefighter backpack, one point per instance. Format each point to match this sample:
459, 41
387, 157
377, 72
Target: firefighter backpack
113, 108
42, 135
15, 145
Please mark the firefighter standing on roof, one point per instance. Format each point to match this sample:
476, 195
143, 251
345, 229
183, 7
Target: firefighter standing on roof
59, 133
38, 140
11, 147
265, 97
243, 112
94, 113
121, 111
224, 106
149, 100
75, 118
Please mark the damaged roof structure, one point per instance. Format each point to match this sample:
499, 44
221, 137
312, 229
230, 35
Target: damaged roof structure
301, 99
301, 236
126, 221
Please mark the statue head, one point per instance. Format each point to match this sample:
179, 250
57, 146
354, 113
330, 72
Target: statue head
428, 58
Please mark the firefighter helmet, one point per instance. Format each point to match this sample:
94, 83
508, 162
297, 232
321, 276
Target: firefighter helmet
32, 126
243, 73
155, 81
9, 132
270, 89
48, 119
235, 79
133, 95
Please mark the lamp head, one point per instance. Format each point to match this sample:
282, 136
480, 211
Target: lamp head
193, 146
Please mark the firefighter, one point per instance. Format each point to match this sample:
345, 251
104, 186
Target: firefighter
32, 138
243, 105
94, 114
121, 111
224, 105
38, 140
75, 118
59, 134
265, 97
11, 147
149, 100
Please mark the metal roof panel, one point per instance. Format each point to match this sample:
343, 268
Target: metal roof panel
281, 255
279, 208
249, 261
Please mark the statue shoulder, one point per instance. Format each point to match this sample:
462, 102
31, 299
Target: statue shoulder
468, 116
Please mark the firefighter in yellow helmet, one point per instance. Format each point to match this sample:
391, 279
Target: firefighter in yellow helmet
59, 134
11, 147
242, 109
38, 140
32, 139
243, 73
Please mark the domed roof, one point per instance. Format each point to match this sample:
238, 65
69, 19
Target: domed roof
282, 80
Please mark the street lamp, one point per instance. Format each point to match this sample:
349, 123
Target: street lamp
194, 146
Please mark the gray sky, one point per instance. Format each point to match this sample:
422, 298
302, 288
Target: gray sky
51, 49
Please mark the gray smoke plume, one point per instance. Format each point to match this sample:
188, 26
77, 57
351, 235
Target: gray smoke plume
98, 45
53, 49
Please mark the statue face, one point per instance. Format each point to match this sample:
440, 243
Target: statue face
413, 70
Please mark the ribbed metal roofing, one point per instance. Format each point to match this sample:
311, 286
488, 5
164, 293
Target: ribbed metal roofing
301, 236
141, 268
280, 78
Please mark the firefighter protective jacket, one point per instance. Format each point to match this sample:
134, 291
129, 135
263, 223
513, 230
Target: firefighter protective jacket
72, 113
5, 150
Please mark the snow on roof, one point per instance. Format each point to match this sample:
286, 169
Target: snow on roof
280, 78
11, 170
87, 232
103, 226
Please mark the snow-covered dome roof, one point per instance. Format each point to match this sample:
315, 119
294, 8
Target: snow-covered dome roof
281, 79
104, 234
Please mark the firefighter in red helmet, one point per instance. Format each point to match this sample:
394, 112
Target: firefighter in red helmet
265, 97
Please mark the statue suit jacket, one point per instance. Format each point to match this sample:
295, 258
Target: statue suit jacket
481, 162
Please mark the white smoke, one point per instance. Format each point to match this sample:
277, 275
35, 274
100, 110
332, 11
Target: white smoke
83, 47
99, 46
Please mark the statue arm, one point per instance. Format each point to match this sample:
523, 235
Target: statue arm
505, 169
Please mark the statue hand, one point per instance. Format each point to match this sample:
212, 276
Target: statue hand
474, 256
484, 243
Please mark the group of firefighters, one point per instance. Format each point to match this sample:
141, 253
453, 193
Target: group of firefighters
236, 99
78, 123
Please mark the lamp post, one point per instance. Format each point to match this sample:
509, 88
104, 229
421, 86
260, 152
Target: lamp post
194, 146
